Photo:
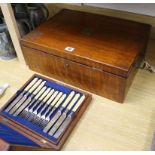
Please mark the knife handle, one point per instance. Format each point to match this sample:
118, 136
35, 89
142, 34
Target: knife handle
52, 97
31, 84
34, 86
73, 101
56, 99
38, 89
44, 94
61, 100
48, 96
68, 99
79, 103
40, 93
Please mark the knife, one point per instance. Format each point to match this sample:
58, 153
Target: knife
46, 119
29, 99
12, 104
69, 118
58, 114
64, 115
25, 96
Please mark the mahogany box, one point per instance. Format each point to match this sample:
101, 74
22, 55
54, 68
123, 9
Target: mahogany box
18, 133
97, 53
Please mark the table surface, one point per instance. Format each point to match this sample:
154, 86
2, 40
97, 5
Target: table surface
105, 125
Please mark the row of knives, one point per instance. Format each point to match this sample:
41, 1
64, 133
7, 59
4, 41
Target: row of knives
50, 109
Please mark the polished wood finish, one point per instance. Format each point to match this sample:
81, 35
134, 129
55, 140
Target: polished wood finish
43, 142
4, 146
106, 51
75, 73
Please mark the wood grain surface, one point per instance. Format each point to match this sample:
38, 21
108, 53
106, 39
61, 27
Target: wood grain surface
107, 43
105, 54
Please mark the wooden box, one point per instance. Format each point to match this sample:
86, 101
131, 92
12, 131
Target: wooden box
94, 52
19, 133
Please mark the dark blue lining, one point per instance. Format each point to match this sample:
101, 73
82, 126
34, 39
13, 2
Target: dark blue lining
14, 137
29, 124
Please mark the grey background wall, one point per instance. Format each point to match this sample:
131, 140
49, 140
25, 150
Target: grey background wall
140, 8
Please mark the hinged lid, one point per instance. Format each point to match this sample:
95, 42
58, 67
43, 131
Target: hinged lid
106, 43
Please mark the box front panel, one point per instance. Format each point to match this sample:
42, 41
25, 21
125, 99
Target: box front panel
99, 82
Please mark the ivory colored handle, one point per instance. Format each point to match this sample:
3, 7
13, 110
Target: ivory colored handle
49, 94
73, 101
56, 99
40, 93
68, 99
35, 86
31, 84
52, 97
79, 103
44, 94
61, 100
38, 88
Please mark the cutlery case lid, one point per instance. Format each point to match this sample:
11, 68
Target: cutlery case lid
105, 43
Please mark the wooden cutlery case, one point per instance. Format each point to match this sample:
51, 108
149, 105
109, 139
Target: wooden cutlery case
26, 132
97, 53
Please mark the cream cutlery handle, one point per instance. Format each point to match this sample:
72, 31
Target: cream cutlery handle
52, 97
79, 103
49, 94
38, 89
44, 94
61, 100
40, 93
68, 99
31, 84
35, 86
73, 101
56, 99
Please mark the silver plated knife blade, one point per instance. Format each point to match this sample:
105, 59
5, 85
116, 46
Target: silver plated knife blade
14, 102
50, 124
19, 97
63, 116
69, 118
63, 127
18, 105
22, 106
58, 123
53, 120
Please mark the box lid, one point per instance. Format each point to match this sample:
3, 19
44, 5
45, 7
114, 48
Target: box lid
102, 42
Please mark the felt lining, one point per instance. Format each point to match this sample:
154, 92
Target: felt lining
14, 137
